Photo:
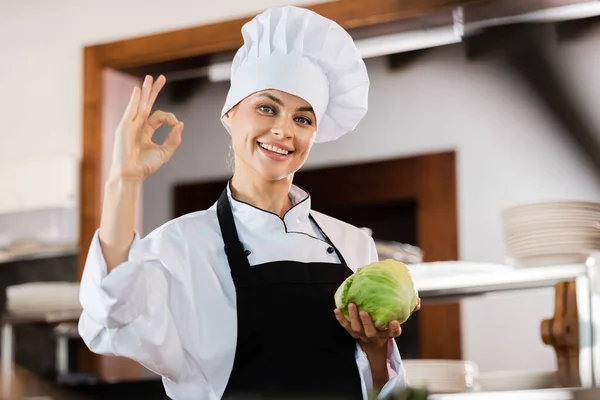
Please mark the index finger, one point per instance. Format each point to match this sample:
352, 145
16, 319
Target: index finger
131, 109
150, 89
343, 321
158, 85
160, 117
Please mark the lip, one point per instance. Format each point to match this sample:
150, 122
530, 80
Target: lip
271, 155
281, 146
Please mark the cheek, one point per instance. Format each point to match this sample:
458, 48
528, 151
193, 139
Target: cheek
242, 134
249, 129
239, 143
304, 143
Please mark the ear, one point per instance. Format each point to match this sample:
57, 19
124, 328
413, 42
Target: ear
226, 118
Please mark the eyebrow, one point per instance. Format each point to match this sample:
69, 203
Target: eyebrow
278, 101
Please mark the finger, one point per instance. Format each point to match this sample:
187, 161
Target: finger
343, 322
155, 121
160, 117
355, 319
370, 330
394, 330
418, 306
173, 140
132, 106
143, 110
156, 88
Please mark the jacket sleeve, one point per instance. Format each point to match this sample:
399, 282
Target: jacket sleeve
127, 312
397, 377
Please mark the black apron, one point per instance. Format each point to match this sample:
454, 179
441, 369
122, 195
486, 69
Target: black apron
289, 343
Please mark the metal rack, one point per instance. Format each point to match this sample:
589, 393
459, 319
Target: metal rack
504, 281
586, 276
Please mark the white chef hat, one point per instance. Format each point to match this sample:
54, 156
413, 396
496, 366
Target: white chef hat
302, 53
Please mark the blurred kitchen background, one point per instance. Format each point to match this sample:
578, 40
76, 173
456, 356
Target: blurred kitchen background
475, 107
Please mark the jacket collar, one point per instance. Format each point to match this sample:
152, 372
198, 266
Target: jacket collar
254, 218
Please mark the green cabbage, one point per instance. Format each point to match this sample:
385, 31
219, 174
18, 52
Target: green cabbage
384, 289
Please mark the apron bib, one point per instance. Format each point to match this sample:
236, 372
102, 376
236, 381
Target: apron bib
289, 344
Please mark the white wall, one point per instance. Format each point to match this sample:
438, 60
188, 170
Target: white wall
509, 151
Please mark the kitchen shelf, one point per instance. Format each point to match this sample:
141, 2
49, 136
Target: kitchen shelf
464, 284
450, 281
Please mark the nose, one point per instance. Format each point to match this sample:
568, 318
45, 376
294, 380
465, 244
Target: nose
283, 128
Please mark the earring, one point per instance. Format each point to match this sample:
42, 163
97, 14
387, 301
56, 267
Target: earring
230, 159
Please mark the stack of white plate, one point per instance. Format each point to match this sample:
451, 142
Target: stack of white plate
551, 233
442, 376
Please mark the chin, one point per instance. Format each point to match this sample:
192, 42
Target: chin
274, 173
275, 176
267, 170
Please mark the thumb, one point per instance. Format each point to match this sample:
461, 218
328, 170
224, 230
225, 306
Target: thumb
173, 140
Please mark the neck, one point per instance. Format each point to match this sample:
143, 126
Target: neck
271, 196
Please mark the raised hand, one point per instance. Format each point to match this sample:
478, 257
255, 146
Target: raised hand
135, 155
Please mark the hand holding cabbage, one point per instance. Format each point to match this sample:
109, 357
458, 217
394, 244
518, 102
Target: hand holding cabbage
382, 291
371, 305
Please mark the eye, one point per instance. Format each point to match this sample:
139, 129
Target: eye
304, 121
266, 109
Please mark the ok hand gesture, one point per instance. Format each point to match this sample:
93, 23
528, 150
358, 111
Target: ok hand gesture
135, 155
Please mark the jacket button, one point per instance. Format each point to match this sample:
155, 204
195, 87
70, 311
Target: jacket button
330, 250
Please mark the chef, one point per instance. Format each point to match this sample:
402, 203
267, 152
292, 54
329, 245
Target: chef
237, 301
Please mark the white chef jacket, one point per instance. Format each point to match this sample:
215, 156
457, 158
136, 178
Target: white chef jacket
172, 305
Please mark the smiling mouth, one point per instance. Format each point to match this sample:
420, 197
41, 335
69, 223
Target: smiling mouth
275, 149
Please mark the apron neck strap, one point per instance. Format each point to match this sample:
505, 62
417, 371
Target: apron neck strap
234, 249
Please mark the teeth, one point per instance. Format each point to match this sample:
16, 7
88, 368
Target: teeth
273, 149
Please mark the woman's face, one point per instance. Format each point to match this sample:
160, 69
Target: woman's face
272, 133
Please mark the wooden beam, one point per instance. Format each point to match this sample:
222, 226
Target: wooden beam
90, 185
437, 221
165, 67
225, 35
